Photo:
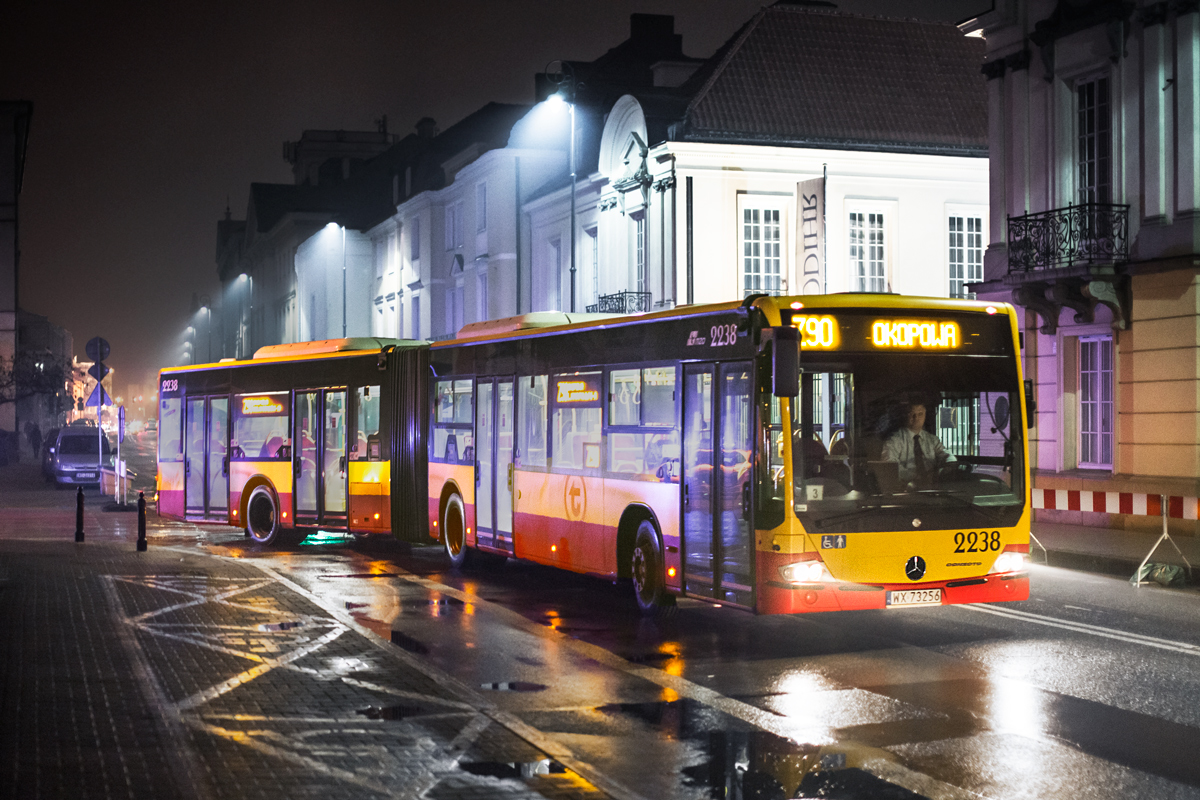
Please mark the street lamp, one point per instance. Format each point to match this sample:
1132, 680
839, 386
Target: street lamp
204, 303
565, 80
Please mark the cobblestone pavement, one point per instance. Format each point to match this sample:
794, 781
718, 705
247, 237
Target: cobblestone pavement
171, 673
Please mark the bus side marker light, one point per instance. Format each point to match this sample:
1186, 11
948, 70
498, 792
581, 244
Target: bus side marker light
671, 572
376, 516
285, 515
553, 548
235, 512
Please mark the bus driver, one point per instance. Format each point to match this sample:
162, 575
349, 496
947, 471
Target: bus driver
918, 452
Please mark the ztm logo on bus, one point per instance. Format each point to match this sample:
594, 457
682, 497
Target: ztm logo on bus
913, 333
261, 405
575, 498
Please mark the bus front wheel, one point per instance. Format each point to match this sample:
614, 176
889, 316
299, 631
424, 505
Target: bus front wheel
454, 532
646, 569
262, 516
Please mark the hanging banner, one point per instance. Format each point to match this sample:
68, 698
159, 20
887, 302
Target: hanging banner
810, 235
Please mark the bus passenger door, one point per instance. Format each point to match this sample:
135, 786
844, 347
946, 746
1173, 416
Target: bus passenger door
218, 457
485, 473
505, 429
333, 461
194, 467
717, 444
304, 463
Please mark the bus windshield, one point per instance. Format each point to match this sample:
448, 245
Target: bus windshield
914, 441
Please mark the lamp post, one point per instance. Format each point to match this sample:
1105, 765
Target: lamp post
566, 94
343, 227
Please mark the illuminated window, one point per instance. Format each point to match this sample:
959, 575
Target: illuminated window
531, 416
868, 258
453, 439
762, 264
575, 423
966, 254
1096, 411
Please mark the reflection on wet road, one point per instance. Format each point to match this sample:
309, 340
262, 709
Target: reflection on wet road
1086, 690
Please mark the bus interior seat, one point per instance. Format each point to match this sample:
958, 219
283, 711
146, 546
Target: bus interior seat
887, 476
451, 454
270, 448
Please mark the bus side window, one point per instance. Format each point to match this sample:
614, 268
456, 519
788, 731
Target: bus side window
454, 418
366, 425
531, 418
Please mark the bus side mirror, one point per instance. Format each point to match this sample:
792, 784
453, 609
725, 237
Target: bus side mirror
785, 358
1030, 404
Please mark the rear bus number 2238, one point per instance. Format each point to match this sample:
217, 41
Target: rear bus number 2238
722, 335
977, 541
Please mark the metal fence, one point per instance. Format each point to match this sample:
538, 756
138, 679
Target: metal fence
621, 303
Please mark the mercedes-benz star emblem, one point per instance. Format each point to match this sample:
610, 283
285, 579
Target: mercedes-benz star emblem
915, 568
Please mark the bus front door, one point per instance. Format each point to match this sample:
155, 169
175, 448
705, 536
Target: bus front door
206, 462
319, 465
494, 463
717, 446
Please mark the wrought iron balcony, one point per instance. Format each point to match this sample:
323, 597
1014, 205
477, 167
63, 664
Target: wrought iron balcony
622, 303
1083, 235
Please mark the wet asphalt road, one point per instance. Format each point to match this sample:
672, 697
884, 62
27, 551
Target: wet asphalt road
1087, 690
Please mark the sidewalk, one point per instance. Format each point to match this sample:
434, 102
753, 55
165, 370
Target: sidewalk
1110, 552
172, 673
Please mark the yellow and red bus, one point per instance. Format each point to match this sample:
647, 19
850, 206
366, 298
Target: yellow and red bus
781, 454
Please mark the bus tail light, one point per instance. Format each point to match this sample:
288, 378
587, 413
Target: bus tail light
805, 572
1011, 560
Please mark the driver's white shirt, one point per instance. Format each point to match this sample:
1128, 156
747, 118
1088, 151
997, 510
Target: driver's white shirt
899, 448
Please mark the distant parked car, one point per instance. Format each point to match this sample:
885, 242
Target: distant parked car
75, 456
49, 445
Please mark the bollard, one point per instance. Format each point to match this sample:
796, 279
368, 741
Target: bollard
141, 545
79, 515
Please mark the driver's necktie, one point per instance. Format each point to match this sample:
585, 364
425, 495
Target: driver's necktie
918, 456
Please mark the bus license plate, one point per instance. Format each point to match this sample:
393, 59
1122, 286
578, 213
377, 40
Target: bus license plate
914, 597
85, 474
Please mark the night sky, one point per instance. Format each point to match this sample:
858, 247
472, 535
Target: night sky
149, 117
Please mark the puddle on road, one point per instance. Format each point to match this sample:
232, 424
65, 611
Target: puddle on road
749, 763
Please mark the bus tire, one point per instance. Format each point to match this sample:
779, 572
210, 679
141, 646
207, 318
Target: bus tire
646, 570
454, 531
262, 516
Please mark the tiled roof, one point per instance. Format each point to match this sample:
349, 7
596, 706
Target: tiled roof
797, 75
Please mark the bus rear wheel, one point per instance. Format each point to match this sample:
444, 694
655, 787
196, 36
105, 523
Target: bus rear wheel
646, 570
262, 516
454, 532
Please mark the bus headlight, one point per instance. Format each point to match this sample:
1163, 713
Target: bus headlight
805, 572
1009, 562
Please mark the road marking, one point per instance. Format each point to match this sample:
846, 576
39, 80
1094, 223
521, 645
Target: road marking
1083, 627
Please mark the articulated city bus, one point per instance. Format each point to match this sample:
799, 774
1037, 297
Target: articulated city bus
782, 454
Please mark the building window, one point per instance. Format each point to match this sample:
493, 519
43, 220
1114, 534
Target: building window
639, 250
481, 207
1095, 141
593, 235
414, 239
454, 226
1096, 413
966, 254
454, 309
761, 252
868, 260
416, 316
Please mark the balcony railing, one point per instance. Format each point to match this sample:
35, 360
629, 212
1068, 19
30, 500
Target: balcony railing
1087, 234
621, 303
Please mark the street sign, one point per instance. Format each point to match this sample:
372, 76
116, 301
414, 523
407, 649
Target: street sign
97, 396
97, 349
120, 424
98, 370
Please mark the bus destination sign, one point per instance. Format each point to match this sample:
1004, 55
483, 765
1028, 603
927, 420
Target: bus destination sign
870, 332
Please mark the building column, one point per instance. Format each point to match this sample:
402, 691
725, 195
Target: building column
1187, 105
1156, 128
